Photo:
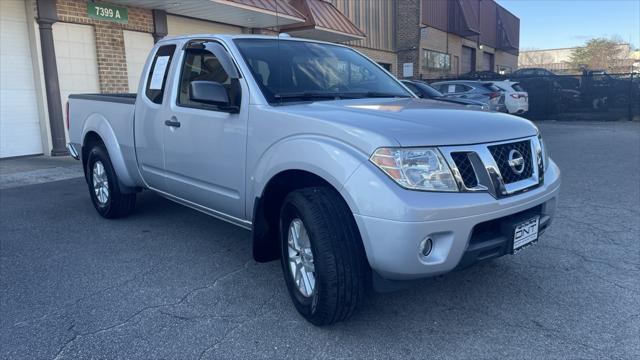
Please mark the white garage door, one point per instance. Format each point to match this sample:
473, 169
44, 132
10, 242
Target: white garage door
76, 57
19, 119
137, 46
178, 25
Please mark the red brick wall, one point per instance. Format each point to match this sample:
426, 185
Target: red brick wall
112, 62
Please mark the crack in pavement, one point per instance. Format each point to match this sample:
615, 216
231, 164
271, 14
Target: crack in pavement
590, 259
257, 315
147, 308
73, 303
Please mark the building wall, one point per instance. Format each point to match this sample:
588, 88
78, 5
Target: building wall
506, 60
110, 51
375, 17
449, 43
180, 25
438, 34
442, 32
408, 34
381, 56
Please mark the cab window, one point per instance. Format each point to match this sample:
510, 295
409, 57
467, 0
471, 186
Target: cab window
200, 64
157, 77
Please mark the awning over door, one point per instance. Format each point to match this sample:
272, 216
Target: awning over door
313, 19
508, 31
245, 13
323, 22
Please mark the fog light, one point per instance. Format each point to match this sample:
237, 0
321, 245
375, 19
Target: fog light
425, 247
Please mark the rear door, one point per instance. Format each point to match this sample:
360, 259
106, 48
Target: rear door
149, 118
205, 145
456, 90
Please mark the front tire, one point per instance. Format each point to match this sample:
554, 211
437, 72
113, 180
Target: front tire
104, 188
322, 256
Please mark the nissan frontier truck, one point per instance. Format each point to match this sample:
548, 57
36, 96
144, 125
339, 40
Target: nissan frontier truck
337, 169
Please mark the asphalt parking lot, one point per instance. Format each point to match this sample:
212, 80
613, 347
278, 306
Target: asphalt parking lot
169, 282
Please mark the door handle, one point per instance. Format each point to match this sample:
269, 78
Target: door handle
172, 123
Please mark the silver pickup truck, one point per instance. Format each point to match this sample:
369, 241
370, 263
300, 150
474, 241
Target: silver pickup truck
336, 167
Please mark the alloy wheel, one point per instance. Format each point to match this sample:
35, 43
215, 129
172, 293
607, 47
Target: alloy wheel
301, 258
100, 182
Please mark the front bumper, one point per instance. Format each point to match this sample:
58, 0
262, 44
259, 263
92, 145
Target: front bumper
393, 222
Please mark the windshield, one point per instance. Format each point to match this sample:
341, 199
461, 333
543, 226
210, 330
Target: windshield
289, 71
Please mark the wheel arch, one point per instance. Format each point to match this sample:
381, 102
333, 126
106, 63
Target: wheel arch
266, 209
98, 130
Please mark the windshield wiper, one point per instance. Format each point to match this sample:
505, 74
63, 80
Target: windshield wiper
310, 95
307, 95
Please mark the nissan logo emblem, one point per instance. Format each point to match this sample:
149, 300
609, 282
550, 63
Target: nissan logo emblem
516, 161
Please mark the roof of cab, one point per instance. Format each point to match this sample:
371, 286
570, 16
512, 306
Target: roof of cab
240, 36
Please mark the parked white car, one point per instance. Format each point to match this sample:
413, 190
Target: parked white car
515, 98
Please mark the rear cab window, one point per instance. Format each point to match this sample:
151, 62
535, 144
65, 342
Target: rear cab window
492, 87
158, 72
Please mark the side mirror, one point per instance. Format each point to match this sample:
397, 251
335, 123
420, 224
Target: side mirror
209, 92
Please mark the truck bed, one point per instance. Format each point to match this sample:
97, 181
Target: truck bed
111, 116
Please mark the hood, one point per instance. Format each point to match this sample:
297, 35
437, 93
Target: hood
460, 101
417, 122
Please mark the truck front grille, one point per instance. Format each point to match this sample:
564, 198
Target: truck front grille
461, 159
501, 156
501, 168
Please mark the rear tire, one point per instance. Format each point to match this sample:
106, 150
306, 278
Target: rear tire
104, 187
333, 257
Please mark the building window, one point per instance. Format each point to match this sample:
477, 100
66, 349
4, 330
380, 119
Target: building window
386, 66
434, 60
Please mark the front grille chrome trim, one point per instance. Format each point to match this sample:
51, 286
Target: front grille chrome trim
489, 178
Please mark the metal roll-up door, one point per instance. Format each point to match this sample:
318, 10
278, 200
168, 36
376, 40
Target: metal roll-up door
20, 132
467, 60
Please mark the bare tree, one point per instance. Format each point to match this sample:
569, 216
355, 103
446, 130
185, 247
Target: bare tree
600, 53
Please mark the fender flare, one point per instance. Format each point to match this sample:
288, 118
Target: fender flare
325, 157
98, 124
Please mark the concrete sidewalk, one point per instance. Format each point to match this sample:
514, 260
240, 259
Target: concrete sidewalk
37, 170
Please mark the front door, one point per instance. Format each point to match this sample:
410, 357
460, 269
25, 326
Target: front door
205, 145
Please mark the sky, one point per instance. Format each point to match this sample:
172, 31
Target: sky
549, 24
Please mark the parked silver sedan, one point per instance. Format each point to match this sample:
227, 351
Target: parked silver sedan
483, 91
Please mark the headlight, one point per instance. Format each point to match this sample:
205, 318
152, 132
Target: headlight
415, 168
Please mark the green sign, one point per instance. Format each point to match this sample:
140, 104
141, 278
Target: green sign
108, 12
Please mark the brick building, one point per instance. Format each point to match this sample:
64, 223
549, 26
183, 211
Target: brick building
52, 48
447, 38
